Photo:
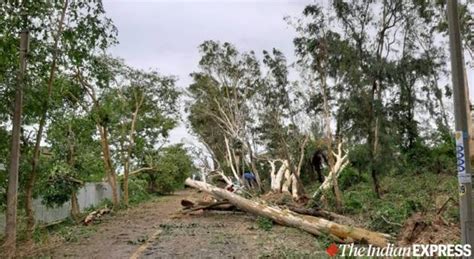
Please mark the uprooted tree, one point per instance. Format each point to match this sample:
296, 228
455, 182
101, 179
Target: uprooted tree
229, 96
313, 225
219, 110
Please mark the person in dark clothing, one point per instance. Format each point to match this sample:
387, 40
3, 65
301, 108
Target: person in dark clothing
250, 179
317, 164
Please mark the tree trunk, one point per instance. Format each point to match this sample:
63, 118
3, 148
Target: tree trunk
295, 190
329, 140
9, 245
254, 166
272, 174
151, 183
75, 211
313, 225
125, 183
71, 162
30, 218
337, 193
190, 206
323, 214
374, 114
131, 143
287, 181
279, 176
331, 180
230, 161
109, 169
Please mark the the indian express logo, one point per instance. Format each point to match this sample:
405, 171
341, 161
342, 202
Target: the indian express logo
418, 250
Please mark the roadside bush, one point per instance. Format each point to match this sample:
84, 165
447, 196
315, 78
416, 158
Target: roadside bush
137, 191
173, 167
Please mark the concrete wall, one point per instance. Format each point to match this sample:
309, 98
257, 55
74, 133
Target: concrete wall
91, 194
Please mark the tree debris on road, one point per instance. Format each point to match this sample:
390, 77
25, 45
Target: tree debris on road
313, 225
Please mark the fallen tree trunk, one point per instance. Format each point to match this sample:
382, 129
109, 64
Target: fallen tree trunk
313, 225
218, 205
323, 214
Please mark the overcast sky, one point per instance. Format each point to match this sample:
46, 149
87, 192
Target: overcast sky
165, 34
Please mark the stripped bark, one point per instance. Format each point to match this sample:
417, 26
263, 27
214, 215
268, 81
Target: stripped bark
331, 180
230, 161
276, 177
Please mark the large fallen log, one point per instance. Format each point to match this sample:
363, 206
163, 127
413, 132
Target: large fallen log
218, 205
313, 225
323, 214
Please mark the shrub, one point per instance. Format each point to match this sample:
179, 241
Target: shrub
349, 176
137, 191
173, 167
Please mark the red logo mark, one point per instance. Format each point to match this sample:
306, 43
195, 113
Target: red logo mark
332, 250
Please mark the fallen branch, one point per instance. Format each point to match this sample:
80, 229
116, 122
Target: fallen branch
95, 215
323, 214
218, 205
391, 223
443, 207
313, 225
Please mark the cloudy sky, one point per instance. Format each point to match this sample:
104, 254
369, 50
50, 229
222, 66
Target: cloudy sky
165, 34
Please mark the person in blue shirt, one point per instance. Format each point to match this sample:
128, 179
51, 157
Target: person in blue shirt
250, 179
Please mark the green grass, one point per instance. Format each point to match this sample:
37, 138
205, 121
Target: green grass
264, 223
68, 230
289, 253
403, 195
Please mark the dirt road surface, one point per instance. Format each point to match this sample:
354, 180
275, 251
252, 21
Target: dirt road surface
154, 230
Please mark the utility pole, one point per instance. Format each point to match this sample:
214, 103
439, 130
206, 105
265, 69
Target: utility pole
12, 193
462, 125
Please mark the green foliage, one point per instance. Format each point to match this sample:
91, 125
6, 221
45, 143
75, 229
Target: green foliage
383, 87
224, 86
59, 186
68, 230
138, 191
264, 223
173, 165
349, 177
438, 158
380, 75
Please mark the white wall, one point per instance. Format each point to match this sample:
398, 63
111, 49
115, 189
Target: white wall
91, 194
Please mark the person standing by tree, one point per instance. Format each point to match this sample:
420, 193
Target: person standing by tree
250, 180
